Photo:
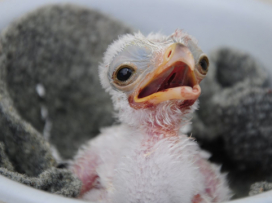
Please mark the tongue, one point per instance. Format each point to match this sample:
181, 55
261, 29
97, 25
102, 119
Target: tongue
175, 76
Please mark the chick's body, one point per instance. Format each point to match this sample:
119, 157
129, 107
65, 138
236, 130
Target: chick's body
126, 166
146, 159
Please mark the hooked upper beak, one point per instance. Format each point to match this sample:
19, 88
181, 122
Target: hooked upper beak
173, 79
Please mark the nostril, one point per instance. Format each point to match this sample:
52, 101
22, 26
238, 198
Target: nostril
169, 54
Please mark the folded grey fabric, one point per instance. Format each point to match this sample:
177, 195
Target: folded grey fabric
57, 181
52, 57
50, 92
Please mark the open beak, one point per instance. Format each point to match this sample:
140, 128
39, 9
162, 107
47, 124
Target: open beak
173, 79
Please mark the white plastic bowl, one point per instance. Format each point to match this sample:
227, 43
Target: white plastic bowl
244, 24
12, 192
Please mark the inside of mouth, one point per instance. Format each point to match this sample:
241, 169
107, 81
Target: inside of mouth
176, 75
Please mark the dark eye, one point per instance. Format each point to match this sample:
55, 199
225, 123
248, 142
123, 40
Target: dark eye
204, 65
124, 74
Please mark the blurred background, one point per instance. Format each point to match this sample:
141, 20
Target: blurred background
245, 24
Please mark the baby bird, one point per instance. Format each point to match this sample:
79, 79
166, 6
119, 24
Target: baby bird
154, 85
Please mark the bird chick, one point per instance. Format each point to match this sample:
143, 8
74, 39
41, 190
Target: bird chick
154, 85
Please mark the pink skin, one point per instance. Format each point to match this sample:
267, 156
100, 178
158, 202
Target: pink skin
85, 169
211, 180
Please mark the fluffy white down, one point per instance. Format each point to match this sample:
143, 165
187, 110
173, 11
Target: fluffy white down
131, 173
166, 114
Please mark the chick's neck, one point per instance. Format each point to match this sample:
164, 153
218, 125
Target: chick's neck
164, 121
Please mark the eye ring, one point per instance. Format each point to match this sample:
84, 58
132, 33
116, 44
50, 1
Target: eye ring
124, 74
203, 65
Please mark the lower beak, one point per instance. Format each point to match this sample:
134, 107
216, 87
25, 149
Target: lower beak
173, 79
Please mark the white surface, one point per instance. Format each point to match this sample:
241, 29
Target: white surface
13, 192
244, 24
